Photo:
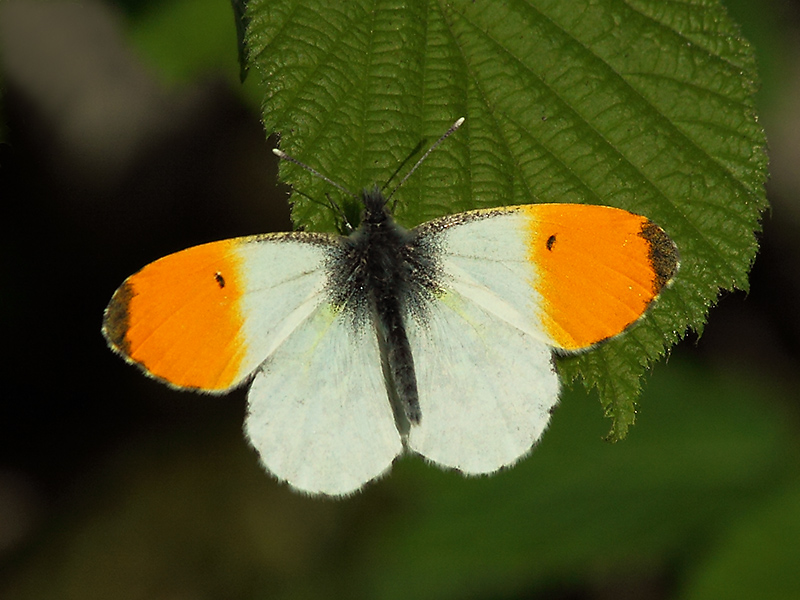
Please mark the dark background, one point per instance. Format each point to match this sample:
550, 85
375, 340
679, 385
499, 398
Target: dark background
126, 135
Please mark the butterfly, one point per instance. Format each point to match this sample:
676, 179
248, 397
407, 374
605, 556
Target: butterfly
437, 340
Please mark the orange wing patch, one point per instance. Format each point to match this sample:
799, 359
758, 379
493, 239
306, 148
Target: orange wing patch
598, 268
180, 317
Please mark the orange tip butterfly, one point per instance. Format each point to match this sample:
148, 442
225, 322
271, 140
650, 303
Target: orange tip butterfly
437, 340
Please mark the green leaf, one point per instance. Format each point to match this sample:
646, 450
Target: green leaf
644, 105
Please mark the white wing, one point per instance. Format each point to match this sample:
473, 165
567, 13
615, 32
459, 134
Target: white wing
484, 372
319, 414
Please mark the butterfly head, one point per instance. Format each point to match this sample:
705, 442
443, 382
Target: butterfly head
375, 207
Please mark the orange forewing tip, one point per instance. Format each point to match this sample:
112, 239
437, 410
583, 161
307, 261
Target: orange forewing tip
598, 268
180, 318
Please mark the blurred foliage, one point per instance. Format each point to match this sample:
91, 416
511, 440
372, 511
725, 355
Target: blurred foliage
188, 39
764, 26
757, 556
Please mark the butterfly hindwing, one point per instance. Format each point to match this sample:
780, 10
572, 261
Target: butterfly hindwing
318, 411
486, 388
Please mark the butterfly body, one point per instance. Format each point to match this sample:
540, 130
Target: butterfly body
382, 275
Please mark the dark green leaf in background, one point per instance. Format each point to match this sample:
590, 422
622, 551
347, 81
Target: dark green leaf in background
187, 39
757, 558
240, 18
644, 105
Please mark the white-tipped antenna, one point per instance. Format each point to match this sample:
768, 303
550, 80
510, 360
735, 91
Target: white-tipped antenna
282, 155
438, 142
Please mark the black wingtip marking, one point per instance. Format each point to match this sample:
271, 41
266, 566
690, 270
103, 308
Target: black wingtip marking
663, 255
116, 320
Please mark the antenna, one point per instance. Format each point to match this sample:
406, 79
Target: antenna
438, 142
282, 155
